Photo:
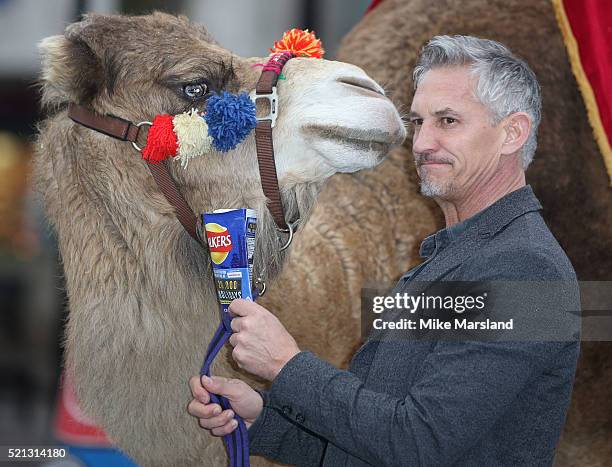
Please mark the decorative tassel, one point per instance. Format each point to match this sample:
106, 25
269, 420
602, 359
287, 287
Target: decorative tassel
302, 43
192, 134
230, 119
161, 141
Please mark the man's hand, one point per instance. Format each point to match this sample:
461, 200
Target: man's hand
262, 345
245, 401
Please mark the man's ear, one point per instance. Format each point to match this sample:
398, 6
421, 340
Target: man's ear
517, 127
71, 72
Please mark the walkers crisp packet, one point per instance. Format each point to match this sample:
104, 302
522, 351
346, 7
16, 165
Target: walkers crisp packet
230, 234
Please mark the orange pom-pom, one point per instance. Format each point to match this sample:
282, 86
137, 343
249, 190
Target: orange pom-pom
301, 43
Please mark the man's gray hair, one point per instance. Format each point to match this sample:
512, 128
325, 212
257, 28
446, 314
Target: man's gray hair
505, 85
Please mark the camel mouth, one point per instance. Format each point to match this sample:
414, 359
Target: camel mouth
363, 145
370, 139
350, 149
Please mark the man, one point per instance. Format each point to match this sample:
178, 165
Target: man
475, 114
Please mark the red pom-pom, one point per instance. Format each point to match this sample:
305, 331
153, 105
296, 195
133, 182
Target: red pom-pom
161, 141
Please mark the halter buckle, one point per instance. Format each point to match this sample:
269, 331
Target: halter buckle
272, 100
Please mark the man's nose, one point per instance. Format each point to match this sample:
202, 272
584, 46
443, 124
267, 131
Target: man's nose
425, 139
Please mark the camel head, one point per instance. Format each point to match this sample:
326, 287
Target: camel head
332, 117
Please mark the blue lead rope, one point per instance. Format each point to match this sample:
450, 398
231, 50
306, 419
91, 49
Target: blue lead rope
237, 442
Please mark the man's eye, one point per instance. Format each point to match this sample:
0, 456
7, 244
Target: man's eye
195, 91
448, 120
416, 121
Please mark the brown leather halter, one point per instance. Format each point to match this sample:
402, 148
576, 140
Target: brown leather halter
125, 130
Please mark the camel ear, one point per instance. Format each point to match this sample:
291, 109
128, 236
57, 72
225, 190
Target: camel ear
70, 71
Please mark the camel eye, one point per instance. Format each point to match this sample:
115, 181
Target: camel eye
195, 90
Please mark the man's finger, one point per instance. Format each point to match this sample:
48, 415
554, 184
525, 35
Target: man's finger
216, 384
241, 307
218, 421
194, 382
199, 410
198, 391
226, 429
230, 388
235, 324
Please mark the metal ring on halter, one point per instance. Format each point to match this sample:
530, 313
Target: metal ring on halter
290, 231
138, 148
260, 281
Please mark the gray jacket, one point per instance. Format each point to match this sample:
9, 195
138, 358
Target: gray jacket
412, 403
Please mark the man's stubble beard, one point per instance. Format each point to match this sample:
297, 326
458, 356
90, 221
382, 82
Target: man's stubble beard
435, 189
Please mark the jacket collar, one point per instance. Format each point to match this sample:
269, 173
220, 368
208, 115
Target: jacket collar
474, 232
486, 223
506, 209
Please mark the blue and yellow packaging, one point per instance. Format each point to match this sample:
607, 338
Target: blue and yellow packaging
230, 234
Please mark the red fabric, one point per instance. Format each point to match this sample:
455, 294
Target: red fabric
162, 142
373, 5
71, 425
591, 23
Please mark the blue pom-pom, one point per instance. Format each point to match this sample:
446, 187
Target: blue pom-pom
230, 119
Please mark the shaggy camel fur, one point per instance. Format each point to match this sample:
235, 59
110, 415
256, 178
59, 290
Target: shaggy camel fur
141, 296
368, 226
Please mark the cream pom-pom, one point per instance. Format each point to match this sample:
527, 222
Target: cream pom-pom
192, 135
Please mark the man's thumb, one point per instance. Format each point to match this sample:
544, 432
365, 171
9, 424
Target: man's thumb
215, 384
230, 388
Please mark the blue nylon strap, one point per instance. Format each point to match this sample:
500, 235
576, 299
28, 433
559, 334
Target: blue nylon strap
237, 442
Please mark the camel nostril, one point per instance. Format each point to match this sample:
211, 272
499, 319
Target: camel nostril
362, 83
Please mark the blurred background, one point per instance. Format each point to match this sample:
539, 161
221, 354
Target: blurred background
32, 296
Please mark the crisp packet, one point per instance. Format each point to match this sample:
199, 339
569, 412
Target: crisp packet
230, 234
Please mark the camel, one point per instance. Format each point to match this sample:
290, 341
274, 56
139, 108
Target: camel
368, 225
142, 305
